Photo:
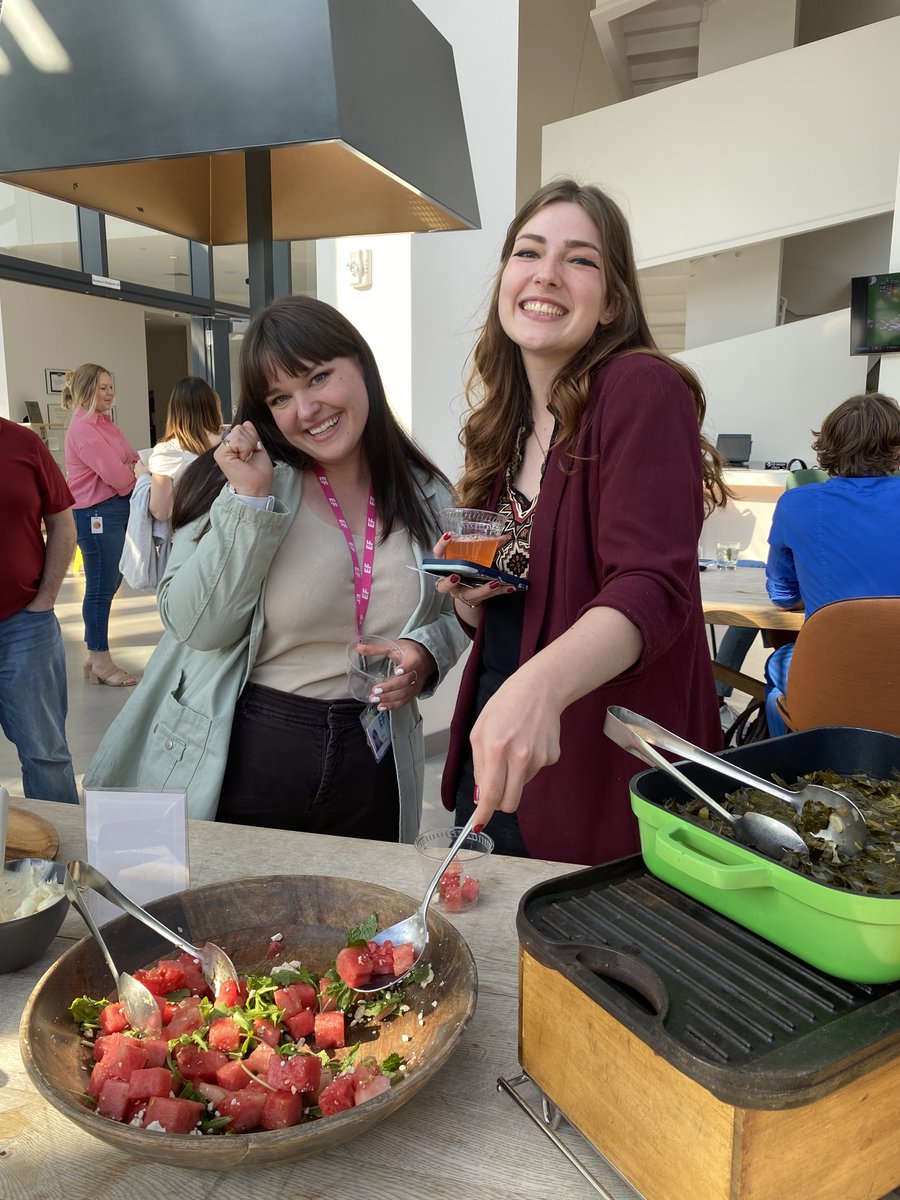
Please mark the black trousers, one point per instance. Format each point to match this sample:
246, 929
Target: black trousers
301, 764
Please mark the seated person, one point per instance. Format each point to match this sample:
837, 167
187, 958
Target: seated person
840, 539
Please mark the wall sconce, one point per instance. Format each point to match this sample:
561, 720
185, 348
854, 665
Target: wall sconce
360, 267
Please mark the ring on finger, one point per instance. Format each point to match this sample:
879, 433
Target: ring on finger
225, 437
414, 678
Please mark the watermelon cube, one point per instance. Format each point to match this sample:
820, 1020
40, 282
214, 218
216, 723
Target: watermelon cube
266, 1031
174, 1115
301, 1024
282, 1109
232, 1076
354, 966
225, 1034
258, 1058
337, 1097
150, 1081
404, 957
329, 1030
112, 1101
368, 1091
244, 1108
194, 1063
112, 1018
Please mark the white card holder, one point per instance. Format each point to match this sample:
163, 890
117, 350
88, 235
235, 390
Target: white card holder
139, 841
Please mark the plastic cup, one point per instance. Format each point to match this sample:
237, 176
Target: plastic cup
460, 886
475, 534
371, 660
727, 555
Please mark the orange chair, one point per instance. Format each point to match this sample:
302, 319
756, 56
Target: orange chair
846, 667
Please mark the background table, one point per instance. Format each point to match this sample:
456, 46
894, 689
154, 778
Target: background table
739, 597
459, 1137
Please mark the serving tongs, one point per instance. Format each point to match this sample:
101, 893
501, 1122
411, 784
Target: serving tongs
138, 1003
846, 826
217, 967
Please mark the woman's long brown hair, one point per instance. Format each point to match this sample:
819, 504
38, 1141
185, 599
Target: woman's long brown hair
497, 391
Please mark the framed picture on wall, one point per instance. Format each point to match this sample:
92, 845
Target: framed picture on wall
55, 380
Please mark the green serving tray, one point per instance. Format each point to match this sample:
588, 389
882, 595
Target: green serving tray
848, 935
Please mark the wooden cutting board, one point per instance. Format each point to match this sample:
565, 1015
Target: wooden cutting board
30, 836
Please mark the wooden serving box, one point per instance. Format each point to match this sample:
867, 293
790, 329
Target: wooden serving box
701, 1061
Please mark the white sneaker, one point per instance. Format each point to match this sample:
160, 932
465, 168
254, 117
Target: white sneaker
727, 715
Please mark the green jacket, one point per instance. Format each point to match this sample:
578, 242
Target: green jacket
173, 732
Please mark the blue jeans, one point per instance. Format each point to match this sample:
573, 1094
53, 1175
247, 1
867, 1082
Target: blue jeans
777, 666
34, 702
101, 553
733, 648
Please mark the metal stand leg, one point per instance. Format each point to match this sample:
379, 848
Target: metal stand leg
548, 1120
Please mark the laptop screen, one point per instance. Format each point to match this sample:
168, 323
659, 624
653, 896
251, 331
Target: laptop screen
734, 447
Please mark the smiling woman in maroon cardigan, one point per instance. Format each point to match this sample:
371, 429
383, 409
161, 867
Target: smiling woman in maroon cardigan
588, 441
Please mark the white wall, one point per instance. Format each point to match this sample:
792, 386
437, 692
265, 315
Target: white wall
817, 267
423, 310
769, 148
737, 31
43, 327
778, 385
732, 293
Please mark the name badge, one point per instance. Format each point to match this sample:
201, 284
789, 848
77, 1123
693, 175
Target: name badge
96, 524
377, 728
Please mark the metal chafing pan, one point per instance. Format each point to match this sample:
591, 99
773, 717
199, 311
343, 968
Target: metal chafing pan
848, 935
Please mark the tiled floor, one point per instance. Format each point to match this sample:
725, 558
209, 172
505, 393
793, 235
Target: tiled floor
134, 631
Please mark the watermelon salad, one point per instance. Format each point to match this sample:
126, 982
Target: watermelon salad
457, 891
266, 1052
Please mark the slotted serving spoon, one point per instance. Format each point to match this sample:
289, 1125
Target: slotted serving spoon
138, 1002
846, 825
754, 829
215, 964
414, 929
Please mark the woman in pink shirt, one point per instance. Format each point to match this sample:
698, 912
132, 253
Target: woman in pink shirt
100, 465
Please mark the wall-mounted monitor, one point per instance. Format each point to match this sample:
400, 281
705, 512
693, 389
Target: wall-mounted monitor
875, 314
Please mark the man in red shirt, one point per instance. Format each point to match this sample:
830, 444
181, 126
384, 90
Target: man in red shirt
33, 691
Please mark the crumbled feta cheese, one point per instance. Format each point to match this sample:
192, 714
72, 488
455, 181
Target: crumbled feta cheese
277, 937
156, 1127
405, 1037
428, 978
434, 1004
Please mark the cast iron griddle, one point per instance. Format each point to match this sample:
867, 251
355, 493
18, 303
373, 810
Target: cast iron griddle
750, 1022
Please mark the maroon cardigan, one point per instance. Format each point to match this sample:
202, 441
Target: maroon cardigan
620, 531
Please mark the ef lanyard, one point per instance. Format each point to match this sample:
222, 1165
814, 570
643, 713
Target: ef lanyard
362, 577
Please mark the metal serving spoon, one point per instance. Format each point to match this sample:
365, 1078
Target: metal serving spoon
215, 964
415, 928
754, 829
138, 1002
846, 826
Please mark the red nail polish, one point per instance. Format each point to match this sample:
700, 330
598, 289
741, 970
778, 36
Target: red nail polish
477, 828
493, 586
454, 579
445, 537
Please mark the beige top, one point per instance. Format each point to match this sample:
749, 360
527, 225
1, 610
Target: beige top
310, 606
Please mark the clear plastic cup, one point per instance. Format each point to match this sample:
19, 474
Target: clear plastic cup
371, 661
476, 534
460, 886
727, 554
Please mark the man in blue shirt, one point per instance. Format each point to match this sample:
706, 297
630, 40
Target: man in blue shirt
840, 539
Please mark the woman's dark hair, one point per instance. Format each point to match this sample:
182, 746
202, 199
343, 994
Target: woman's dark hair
860, 437
498, 390
290, 335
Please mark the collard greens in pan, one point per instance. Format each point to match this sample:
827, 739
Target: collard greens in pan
875, 872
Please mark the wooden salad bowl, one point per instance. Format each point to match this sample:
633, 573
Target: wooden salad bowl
313, 914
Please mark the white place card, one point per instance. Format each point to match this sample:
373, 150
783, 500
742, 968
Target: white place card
139, 841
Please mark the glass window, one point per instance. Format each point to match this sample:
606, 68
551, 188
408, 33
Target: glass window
148, 256
38, 228
231, 274
303, 268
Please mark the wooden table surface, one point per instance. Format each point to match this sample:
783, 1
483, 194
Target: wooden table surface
739, 597
460, 1137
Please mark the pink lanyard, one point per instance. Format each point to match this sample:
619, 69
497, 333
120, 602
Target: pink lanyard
362, 578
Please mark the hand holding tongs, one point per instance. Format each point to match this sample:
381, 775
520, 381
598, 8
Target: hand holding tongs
215, 964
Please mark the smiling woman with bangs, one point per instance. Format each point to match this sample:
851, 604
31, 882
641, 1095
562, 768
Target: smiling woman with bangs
293, 539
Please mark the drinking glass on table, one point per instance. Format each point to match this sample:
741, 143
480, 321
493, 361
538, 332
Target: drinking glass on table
727, 555
475, 534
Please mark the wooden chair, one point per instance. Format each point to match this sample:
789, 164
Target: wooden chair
846, 667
